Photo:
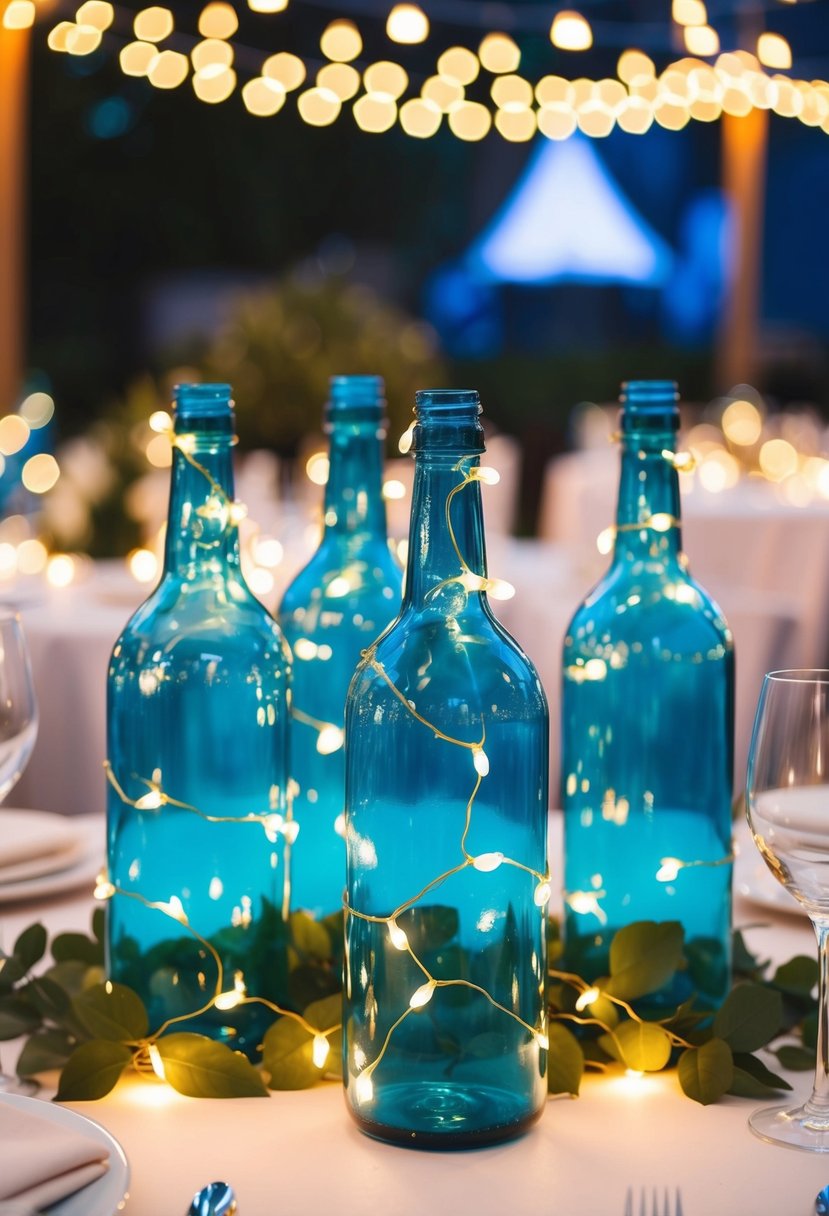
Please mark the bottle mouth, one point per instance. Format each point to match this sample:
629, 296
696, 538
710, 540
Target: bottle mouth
448, 421
202, 400
356, 396
441, 401
649, 405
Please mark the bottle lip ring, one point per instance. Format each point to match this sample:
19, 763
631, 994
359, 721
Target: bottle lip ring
359, 397
446, 399
202, 400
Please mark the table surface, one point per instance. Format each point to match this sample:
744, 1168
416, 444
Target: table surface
299, 1154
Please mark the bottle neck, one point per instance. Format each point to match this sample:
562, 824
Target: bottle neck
354, 504
648, 512
446, 538
201, 536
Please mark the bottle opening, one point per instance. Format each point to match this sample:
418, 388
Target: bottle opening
433, 401
202, 400
649, 405
347, 394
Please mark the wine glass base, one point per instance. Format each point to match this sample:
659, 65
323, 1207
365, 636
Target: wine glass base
17, 1085
797, 1127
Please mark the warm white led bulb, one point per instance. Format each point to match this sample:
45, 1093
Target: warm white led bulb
481, 761
330, 739
397, 936
487, 475
320, 1050
487, 862
422, 995
668, 869
587, 998
150, 801
542, 894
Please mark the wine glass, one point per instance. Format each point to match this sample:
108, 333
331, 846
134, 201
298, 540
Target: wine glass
788, 812
18, 731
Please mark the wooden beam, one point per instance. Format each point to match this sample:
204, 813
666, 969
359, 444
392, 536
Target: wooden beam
14, 120
744, 150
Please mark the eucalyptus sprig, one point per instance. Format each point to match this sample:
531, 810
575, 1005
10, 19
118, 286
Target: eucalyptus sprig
597, 1025
74, 1020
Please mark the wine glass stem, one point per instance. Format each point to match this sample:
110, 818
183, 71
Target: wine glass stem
819, 1101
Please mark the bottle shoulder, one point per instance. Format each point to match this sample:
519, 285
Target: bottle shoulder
185, 614
342, 582
448, 661
634, 598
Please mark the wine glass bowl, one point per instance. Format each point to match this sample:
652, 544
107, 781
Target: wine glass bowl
787, 803
18, 731
18, 707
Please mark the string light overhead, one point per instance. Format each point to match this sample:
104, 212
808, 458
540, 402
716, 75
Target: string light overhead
459, 88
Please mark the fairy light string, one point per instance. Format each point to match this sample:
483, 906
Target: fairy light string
482, 862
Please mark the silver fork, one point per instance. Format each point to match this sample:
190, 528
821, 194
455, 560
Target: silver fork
654, 1208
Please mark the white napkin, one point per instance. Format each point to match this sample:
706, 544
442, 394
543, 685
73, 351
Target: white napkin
25, 835
41, 1161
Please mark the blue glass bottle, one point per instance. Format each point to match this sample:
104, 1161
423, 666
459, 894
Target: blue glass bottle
197, 739
446, 814
335, 607
647, 728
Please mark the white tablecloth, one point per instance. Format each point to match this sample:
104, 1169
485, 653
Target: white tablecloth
299, 1154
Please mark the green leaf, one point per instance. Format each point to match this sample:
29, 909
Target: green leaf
706, 1073
68, 947
92, 1071
71, 976
44, 1051
644, 957
799, 976
11, 970
17, 1017
565, 1061
99, 921
325, 1013
645, 1046
309, 937
111, 1011
809, 1030
743, 961
30, 947
796, 1059
753, 1080
201, 1068
287, 1056
48, 998
749, 1017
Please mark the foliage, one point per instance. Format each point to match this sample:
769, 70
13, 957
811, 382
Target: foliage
93, 1030
598, 1025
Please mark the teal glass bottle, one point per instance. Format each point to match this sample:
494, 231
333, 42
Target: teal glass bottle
647, 728
336, 607
197, 739
445, 1041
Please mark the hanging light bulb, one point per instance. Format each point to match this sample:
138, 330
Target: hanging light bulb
407, 23
571, 32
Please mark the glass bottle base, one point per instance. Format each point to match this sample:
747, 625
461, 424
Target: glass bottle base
799, 1127
446, 1116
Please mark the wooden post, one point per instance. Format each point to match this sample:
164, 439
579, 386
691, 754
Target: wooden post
744, 144
14, 65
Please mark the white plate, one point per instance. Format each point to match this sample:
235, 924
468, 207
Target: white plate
26, 836
108, 1194
82, 873
752, 878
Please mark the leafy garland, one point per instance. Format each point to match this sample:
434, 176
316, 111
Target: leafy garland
92, 1030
